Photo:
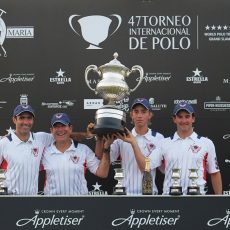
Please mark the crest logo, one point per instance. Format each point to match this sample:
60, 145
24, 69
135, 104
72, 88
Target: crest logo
2, 32
74, 158
195, 148
35, 151
13, 32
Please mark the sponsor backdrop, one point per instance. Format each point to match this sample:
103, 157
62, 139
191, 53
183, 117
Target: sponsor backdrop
119, 213
182, 46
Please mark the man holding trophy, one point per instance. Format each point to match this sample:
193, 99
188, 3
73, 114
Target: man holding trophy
134, 147
187, 157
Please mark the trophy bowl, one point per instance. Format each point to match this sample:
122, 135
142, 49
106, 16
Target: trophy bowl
176, 188
193, 189
112, 88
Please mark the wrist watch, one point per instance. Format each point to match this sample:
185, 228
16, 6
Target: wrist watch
106, 150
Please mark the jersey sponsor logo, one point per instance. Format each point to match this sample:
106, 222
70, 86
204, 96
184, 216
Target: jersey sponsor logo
75, 159
35, 151
220, 220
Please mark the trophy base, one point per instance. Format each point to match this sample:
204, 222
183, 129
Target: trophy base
175, 191
3, 191
109, 120
119, 191
193, 190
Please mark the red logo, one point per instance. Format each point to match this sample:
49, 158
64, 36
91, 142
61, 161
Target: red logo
74, 158
35, 151
195, 148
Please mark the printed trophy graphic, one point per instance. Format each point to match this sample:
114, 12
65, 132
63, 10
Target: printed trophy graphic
119, 189
112, 88
2, 32
193, 189
3, 188
94, 28
176, 188
24, 99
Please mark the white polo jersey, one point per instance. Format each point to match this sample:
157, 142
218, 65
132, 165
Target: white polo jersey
65, 171
132, 174
23, 161
193, 152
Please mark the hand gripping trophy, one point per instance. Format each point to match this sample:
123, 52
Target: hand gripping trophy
112, 88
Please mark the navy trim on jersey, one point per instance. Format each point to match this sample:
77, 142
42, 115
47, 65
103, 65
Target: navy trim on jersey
75, 144
9, 136
198, 136
154, 133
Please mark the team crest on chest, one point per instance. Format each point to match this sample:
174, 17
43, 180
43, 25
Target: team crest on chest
195, 148
150, 147
74, 158
35, 151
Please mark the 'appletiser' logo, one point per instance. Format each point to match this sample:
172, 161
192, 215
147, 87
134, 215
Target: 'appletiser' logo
94, 28
2, 32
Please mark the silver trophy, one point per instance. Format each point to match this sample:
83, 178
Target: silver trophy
176, 188
193, 189
3, 188
112, 88
119, 189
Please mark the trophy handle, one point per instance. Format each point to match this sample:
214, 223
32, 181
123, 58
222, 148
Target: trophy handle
87, 70
70, 23
141, 71
119, 22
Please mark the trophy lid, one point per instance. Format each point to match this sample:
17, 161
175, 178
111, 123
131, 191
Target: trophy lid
113, 64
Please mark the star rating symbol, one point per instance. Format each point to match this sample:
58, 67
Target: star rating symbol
219, 27
197, 72
225, 27
213, 27
60, 73
207, 27
96, 187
